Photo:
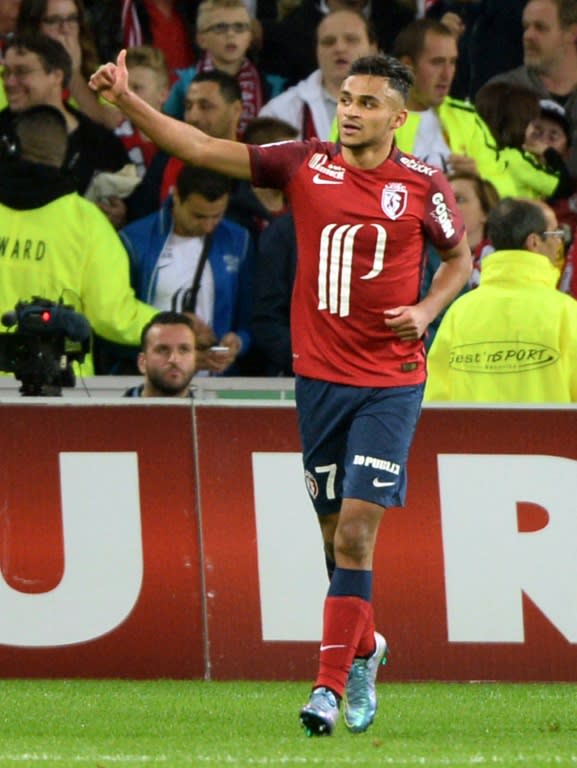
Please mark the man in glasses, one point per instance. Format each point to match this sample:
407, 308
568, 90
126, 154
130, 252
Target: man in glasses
513, 339
36, 71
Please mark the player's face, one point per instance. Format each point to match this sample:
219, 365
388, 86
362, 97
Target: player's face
226, 35
168, 361
368, 112
544, 41
341, 38
27, 84
195, 216
434, 71
206, 109
147, 84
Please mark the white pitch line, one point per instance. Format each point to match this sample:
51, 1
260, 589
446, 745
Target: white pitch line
42, 757
411, 760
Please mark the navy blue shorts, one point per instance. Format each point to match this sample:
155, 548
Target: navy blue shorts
356, 441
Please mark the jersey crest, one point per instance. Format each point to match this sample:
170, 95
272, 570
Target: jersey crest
394, 200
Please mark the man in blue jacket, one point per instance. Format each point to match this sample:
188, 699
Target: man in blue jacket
187, 257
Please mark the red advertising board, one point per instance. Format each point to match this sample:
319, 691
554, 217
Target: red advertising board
99, 543
509, 489
150, 541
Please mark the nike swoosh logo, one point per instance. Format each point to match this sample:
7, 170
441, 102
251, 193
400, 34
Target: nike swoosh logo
329, 647
317, 179
378, 484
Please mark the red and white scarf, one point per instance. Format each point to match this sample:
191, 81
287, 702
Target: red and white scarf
131, 30
250, 85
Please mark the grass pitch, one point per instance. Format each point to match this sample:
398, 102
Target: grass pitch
106, 724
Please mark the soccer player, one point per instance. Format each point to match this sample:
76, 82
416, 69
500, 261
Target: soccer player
362, 211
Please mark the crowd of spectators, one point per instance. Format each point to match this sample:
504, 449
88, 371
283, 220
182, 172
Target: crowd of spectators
493, 106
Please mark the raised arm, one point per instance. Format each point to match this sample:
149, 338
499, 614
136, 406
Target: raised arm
174, 136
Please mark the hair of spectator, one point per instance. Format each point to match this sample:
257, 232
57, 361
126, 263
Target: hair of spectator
266, 130
229, 86
42, 135
485, 191
410, 42
369, 26
164, 318
567, 11
512, 221
399, 76
507, 109
31, 15
209, 184
149, 57
206, 7
52, 54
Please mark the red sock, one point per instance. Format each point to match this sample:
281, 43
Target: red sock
344, 621
366, 646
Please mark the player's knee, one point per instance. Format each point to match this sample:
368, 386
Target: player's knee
353, 540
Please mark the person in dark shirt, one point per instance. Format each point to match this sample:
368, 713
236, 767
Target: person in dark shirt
287, 46
36, 71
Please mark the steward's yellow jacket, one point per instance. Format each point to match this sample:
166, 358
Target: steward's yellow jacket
531, 179
67, 249
466, 134
512, 339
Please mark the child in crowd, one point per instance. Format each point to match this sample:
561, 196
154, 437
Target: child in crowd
224, 35
148, 77
551, 132
537, 171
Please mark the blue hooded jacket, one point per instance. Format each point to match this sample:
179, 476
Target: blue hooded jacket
230, 258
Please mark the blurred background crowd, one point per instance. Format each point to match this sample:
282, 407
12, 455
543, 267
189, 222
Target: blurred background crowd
494, 107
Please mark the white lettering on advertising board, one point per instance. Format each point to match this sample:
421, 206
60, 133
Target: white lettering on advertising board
489, 563
103, 561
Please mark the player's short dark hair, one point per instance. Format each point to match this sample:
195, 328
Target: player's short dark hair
399, 76
52, 54
209, 184
164, 318
512, 221
228, 85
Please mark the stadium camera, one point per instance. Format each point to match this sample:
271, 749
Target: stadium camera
49, 337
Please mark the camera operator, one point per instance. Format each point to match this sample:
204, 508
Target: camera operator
56, 244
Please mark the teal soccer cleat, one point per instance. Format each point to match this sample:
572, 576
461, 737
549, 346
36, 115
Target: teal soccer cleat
360, 693
320, 715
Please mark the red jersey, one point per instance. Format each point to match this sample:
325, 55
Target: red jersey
361, 250
140, 150
169, 177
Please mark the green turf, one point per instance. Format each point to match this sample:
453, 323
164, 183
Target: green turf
174, 723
